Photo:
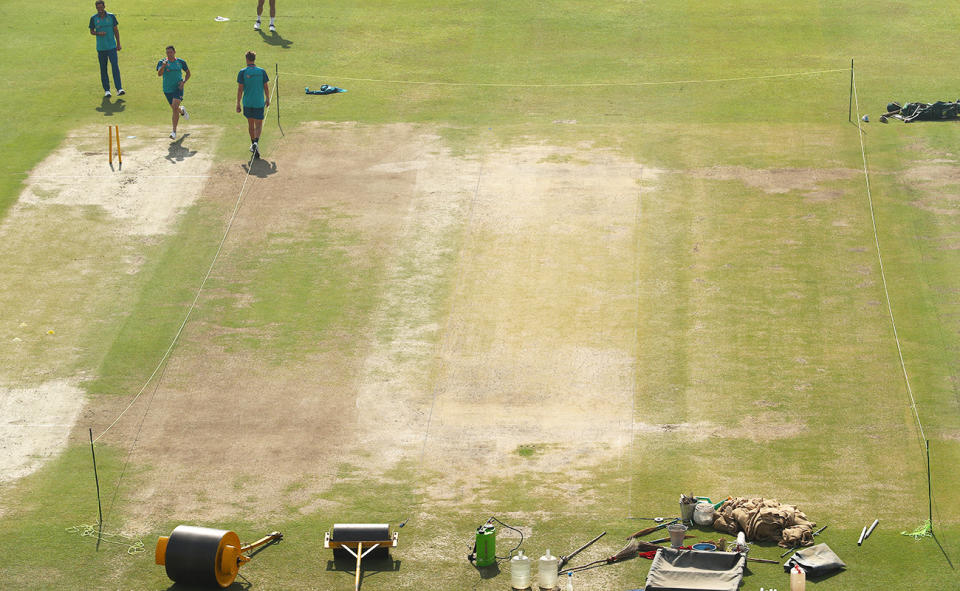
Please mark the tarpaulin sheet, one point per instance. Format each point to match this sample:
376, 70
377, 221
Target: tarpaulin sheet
693, 570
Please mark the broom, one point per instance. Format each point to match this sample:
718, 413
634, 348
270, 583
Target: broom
631, 550
652, 529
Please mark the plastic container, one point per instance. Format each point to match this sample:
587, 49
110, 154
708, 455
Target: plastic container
547, 571
486, 545
520, 571
677, 531
798, 579
686, 511
703, 513
741, 544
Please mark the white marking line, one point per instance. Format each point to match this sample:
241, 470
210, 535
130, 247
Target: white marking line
883, 275
574, 84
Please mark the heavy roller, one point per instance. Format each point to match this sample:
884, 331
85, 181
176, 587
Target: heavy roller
205, 556
360, 539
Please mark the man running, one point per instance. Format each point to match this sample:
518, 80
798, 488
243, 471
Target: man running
273, 14
172, 69
252, 89
106, 29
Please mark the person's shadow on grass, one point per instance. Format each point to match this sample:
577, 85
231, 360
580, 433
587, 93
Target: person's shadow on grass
260, 168
108, 108
177, 152
274, 38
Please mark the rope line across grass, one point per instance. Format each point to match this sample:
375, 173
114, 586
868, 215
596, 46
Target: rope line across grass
570, 84
90, 530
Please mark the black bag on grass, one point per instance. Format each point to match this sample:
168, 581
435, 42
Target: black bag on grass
930, 112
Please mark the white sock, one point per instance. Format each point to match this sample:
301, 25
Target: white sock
258, 18
271, 20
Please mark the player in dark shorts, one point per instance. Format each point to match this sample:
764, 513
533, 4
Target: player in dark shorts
254, 94
172, 69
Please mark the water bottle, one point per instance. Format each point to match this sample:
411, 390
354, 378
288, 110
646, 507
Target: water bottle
520, 571
798, 579
569, 586
547, 570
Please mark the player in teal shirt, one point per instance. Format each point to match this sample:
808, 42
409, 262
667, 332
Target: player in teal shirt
172, 69
106, 29
253, 92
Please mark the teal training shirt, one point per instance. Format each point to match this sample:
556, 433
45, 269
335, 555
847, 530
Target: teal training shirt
173, 74
253, 79
104, 25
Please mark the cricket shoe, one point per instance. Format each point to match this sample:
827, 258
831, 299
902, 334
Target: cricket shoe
256, 26
256, 150
273, 29
121, 92
173, 135
184, 114
107, 94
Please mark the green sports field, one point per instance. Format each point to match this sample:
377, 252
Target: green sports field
556, 263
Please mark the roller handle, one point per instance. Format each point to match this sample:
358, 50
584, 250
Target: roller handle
265, 539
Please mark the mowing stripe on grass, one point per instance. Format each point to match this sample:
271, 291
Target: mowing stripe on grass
435, 386
883, 276
193, 304
176, 338
636, 339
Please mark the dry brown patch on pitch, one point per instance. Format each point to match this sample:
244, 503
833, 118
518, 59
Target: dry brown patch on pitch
764, 426
937, 180
781, 180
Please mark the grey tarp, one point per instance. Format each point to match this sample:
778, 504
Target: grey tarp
818, 560
692, 570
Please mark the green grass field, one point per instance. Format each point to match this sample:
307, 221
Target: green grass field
530, 230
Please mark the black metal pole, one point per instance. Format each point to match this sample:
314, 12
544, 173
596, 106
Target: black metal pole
850, 108
929, 488
96, 478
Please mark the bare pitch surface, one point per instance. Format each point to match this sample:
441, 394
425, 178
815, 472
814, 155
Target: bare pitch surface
73, 247
500, 321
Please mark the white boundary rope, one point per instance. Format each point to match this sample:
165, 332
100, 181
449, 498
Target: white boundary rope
196, 298
883, 275
569, 85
